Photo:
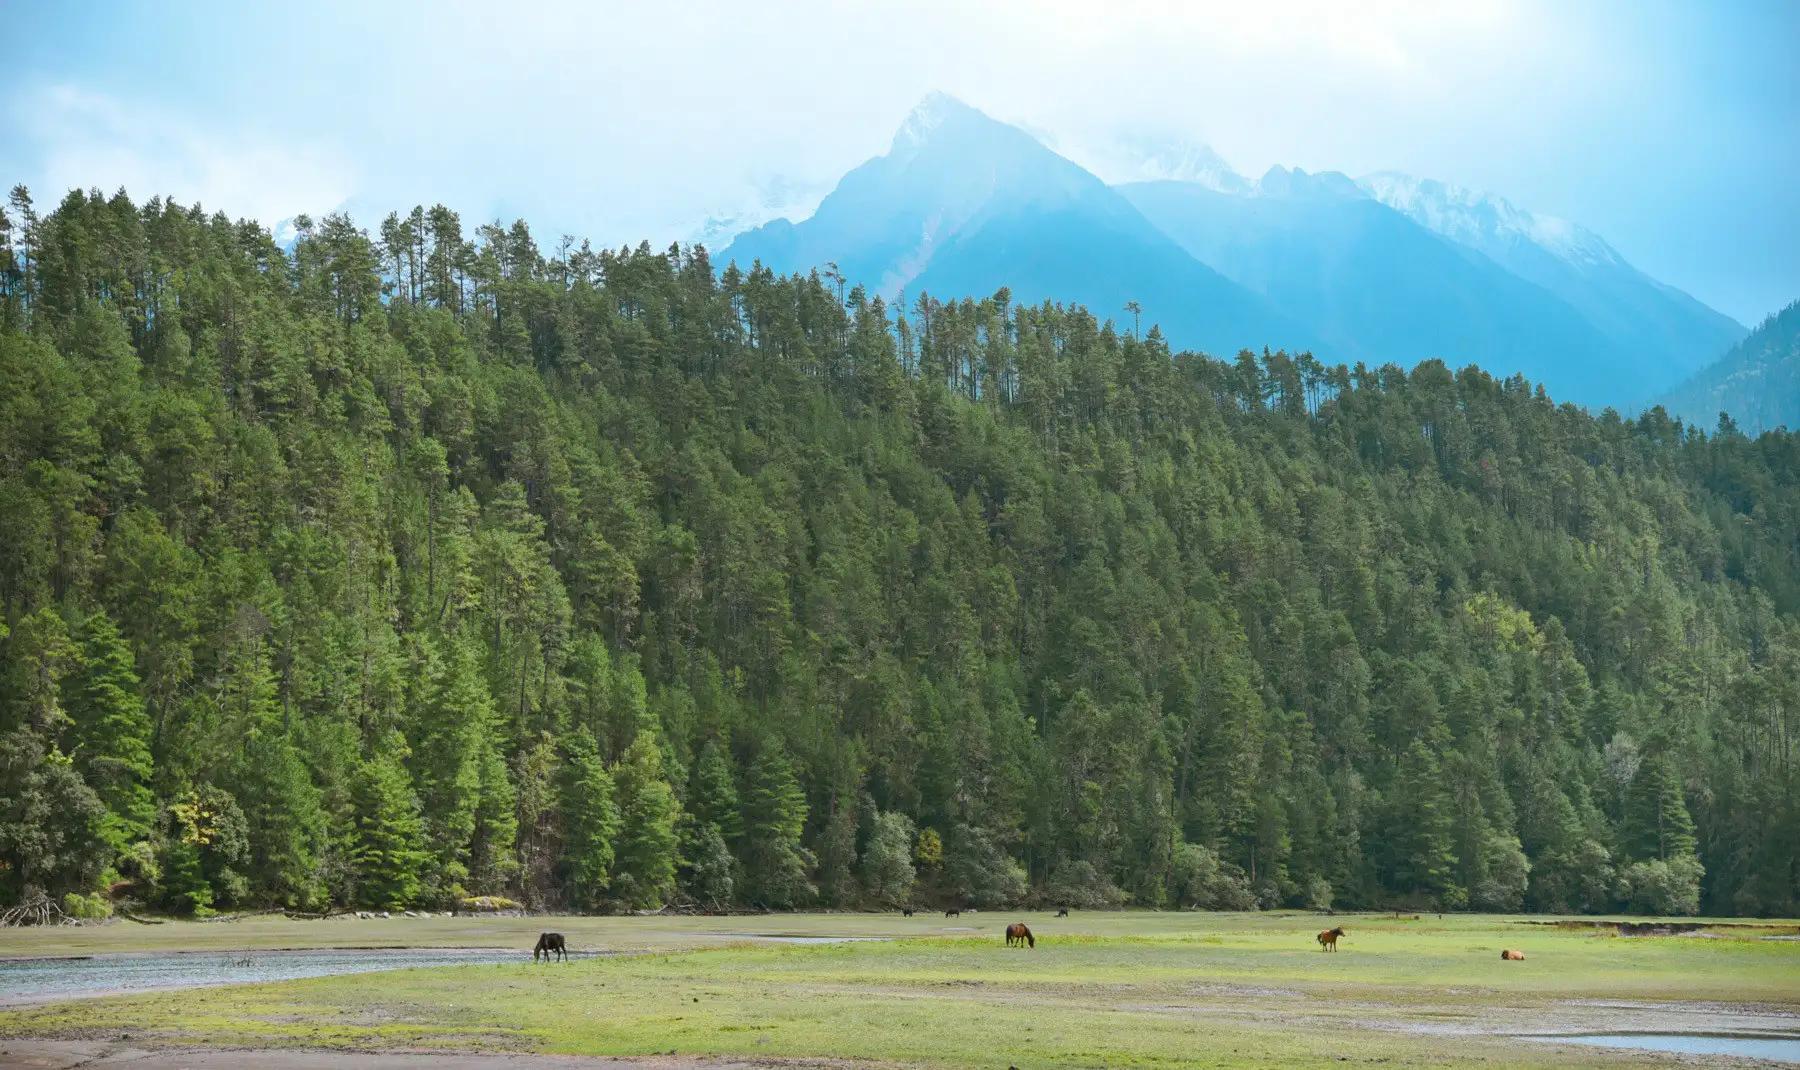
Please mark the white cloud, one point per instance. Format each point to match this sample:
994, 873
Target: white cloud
87, 139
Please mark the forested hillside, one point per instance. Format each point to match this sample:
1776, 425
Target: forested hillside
1756, 383
411, 567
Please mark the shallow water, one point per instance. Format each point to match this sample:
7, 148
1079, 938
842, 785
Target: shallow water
1774, 1049
37, 980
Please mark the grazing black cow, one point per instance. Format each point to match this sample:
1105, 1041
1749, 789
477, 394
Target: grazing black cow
1063, 913
906, 912
550, 944
953, 913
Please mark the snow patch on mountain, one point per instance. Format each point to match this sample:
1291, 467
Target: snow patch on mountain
1147, 157
762, 201
1474, 218
930, 114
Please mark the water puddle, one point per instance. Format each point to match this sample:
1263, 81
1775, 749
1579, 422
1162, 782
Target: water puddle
1771, 1048
44, 979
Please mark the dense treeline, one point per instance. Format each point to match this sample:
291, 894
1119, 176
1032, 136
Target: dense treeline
393, 570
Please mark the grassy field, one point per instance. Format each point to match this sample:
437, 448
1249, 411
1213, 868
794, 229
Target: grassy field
1103, 989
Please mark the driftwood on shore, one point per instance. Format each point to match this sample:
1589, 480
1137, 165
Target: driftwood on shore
39, 909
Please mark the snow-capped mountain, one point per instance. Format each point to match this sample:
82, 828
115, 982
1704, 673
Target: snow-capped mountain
1482, 220
1142, 158
1385, 269
962, 205
1673, 333
1378, 286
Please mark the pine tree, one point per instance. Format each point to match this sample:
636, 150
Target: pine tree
712, 792
1420, 829
644, 866
775, 864
386, 850
1657, 823
113, 752
591, 821
449, 732
282, 808
493, 859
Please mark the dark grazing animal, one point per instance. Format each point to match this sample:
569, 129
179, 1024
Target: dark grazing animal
1063, 913
550, 944
1509, 955
906, 912
953, 913
1329, 938
1018, 934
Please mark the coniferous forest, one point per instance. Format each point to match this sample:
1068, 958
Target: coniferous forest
415, 565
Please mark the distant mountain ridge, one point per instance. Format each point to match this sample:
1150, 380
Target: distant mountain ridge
1757, 382
1388, 268
1647, 317
1378, 286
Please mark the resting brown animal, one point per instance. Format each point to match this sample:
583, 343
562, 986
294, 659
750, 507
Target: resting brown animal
1509, 955
1019, 935
1329, 938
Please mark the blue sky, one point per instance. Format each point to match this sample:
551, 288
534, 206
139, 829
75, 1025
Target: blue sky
1671, 129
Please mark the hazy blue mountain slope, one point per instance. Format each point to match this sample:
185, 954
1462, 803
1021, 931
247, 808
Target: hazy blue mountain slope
962, 205
1386, 269
1379, 287
1670, 333
1757, 382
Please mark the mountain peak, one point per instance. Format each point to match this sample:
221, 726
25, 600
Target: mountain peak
1148, 159
1279, 181
936, 111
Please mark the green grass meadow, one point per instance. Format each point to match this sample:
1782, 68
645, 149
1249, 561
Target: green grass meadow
1104, 989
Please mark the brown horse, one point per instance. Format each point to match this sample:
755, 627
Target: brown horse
1509, 955
1329, 938
550, 944
1018, 934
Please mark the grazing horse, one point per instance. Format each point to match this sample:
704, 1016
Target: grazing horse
1018, 934
1063, 913
1509, 955
953, 913
1329, 938
550, 944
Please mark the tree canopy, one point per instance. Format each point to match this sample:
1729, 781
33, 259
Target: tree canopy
389, 570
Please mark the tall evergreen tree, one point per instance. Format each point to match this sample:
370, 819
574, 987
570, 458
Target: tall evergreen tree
774, 810
592, 821
1657, 823
644, 863
113, 752
387, 832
